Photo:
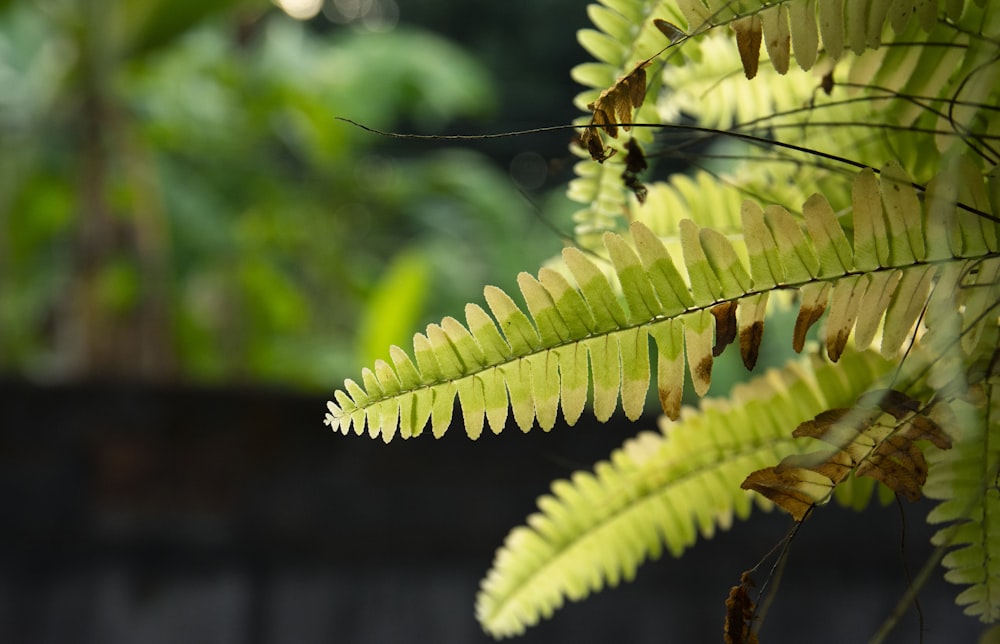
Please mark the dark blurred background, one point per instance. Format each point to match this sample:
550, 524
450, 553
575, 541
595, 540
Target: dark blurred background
194, 252
145, 514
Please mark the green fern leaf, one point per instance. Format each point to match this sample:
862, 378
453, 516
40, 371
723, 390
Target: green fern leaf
658, 492
690, 309
965, 479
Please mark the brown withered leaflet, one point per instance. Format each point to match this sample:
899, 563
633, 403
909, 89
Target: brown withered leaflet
614, 107
635, 163
670, 30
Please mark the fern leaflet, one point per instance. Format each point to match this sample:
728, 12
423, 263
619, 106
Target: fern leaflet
876, 438
659, 491
535, 359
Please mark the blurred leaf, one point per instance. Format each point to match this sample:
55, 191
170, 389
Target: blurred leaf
274, 301
44, 205
154, 24
395, 306
270, 220
118, 285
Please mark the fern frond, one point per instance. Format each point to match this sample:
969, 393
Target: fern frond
708, 88
625, 36
965, 479
659, 492
947, 107
772, 105
536, 359
951, 101
804, 27
876, 438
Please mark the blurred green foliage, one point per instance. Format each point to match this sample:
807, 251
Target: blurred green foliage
178, 201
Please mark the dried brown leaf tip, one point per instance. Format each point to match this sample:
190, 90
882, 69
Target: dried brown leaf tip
613, 108
877, 438
826, 83
725, 326
810, 311
673, 33
635, 164
750, 339
740, 609
749, 34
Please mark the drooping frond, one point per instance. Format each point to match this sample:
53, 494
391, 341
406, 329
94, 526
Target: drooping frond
660, 491
874, 280
875, 438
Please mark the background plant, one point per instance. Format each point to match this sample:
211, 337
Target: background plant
864, 190
166, 167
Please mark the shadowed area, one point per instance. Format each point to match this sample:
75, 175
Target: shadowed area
137, 513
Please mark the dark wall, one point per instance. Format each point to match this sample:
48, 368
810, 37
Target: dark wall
138, 514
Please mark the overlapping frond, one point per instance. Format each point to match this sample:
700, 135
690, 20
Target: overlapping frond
951, 102
872, 105
878, 438
860, 96
660, 491
907, 261
965, 479
706, 87
791, 106
874, 280
806, 27
625, 36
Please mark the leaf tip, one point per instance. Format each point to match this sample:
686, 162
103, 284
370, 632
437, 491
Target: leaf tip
750, 339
